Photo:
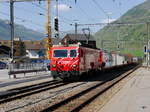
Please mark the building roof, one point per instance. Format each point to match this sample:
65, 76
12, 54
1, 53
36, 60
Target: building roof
80, 37
34, 45
4, 49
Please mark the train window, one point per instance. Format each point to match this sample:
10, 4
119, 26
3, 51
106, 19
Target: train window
60, 53
73, 53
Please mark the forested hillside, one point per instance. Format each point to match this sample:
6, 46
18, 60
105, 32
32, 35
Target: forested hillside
127, 38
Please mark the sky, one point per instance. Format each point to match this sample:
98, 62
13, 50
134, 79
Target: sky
32, 14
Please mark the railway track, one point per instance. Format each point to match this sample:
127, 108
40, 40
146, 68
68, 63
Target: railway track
21, 92
53, 95
79, 100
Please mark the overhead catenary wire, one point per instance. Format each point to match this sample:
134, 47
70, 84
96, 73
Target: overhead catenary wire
114, 24
100, 8
84, 12
22, 19
25, 10
24, 0
64, 20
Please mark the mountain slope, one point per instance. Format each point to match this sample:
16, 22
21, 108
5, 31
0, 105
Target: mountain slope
128, 38
20, 31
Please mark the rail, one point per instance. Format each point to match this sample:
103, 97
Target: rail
21, 92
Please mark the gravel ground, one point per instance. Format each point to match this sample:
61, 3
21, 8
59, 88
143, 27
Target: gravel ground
35, 103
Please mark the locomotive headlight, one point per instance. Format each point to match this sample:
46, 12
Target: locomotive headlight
74, 66
54, 66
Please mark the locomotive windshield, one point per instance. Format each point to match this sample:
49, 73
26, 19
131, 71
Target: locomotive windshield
73, 53
60, 53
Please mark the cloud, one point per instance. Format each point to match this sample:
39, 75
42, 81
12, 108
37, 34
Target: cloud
110, 20
63, 7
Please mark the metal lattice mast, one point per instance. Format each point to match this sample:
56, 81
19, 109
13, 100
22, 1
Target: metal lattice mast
48, 29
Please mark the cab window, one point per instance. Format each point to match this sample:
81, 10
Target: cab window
73, 53
60, 53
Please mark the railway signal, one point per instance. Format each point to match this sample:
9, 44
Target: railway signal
75, 1
145, 49
56, 27
56, 24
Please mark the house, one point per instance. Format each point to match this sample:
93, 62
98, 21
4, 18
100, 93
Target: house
5, 53
19, 48
34, 49
82, 38
5, 49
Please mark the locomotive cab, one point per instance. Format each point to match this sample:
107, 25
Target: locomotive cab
64, 62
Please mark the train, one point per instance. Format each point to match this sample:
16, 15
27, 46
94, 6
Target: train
69, 62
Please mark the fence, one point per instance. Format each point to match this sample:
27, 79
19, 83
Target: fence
26, 66
18, 68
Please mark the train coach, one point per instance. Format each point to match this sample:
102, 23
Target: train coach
68, 62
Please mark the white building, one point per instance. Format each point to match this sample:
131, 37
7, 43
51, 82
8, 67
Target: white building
33, 54
34, 50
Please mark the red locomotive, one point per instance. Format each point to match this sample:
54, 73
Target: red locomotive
68, 62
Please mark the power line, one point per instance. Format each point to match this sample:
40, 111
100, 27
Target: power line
102, 10
64, 19
83, 11
25, 10
114, 24
98, 5
22, 20
24, 0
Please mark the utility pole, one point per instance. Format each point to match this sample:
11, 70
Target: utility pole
87, 36
147, 43
12, 30
76, 29
48, 28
